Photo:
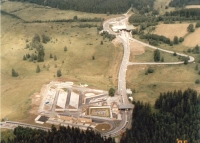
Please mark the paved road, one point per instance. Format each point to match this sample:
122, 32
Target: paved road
191, 59
12, 125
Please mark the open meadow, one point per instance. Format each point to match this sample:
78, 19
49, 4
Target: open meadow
140, 53
192, 39
165, 78
76, 64
171, 30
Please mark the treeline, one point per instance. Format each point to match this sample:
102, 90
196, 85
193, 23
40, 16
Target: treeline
177, 117
168, 17
12, 15
156, 38
193, 13
195, 50
97, 6
69, 20
75, 19
61, 135
181, 3
105, 34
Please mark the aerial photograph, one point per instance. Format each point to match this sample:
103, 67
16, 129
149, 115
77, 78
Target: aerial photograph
100, 71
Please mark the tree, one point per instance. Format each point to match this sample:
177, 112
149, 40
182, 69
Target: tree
197, 24
55, 58
199, 72
190, 28
40, 51
197, 67
45, 38
156, 55
175, 54
185, 61
111, 92
197, 81
37, 69
51, 55
24, 57
93, 57
175, 40
59, 73
75, 17
162, 59
181, 39
14, 73
65, 48
36, 39
101, 42
150, 70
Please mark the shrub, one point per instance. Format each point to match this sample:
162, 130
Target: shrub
197, 81
150, 70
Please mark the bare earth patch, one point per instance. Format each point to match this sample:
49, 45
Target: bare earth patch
135, 49
193, 39
116, 42
36, 99
171, 30
193, 6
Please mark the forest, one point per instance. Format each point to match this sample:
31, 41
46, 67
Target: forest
61, 135
180, 3
176, 117
97, 6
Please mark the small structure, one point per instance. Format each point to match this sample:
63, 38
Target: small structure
124, 27
128, 91
125, 106
41, 119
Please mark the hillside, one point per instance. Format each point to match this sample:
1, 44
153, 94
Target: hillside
97, 6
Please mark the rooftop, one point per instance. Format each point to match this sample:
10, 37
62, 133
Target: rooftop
126, 106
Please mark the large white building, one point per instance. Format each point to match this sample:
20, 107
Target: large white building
117, 27
74, 100
62, 98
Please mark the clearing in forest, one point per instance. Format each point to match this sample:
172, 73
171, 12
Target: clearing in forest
171, 30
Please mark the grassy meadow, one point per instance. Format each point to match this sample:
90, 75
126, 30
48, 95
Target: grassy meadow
165, 78
76, 63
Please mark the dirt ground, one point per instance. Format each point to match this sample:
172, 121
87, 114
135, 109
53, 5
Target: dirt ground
135, 49
36, 100
193, 6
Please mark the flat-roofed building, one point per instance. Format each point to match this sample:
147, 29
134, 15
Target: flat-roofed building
74, 100
62, 98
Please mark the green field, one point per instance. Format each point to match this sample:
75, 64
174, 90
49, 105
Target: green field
165, 78
76, 63
148, 56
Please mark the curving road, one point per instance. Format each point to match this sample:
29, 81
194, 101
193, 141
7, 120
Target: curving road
126, 115
125, 37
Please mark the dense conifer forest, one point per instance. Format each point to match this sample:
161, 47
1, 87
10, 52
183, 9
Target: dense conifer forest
177, 117
180, 3
62, 135
97, 6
